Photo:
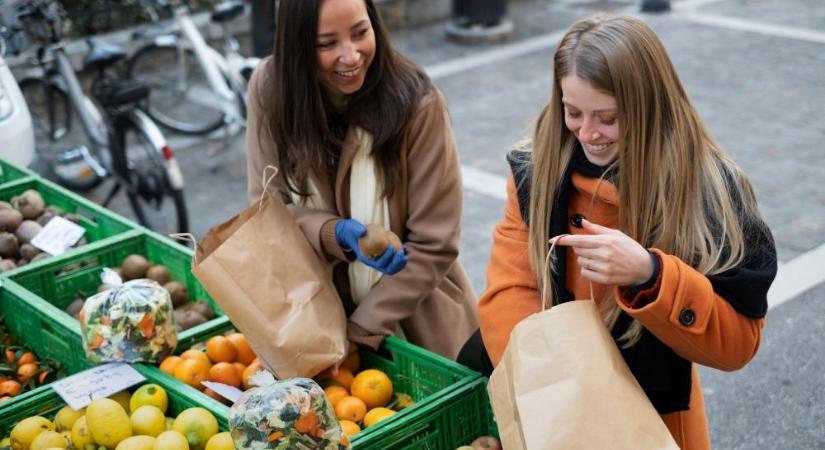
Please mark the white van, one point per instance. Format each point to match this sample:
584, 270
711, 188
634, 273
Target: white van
16, 133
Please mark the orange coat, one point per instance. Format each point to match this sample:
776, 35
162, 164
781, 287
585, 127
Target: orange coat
719, 337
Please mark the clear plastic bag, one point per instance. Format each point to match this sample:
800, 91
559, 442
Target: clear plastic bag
285, 415
130, 322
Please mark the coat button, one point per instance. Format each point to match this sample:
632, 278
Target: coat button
576, 220
687, 317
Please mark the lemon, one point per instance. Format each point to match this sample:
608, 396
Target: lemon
48, 439
27, 429
149, 394
197, 425
137, 443
66, 417
148, 420
6, 442
220, 441
170, 422
123, 398
108, 422
81, 436
171, 440
67, 435
376, 415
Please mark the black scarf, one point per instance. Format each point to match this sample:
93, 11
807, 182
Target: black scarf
663, 375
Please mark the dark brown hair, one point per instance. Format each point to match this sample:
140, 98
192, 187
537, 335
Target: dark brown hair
307, 129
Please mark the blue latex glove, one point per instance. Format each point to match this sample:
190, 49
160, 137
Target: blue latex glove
347, 232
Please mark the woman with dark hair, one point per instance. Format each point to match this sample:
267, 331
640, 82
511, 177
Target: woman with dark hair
650, 216
360, 135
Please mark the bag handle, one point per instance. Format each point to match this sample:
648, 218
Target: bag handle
265, 182
552, 242
187, 237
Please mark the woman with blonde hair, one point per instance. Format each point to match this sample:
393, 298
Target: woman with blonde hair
645, 206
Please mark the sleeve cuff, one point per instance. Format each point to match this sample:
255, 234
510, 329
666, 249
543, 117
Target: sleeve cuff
330, 245
643, 294
360, 336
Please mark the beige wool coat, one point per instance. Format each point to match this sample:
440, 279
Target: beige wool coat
430, 302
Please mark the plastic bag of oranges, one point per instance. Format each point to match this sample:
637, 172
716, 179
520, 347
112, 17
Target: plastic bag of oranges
292, 414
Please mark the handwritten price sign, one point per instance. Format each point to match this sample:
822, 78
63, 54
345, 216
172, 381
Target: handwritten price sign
80, 389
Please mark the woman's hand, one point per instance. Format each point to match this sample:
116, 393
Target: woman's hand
608, 256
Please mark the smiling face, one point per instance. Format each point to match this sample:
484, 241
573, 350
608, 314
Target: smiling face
345, 44
592, 116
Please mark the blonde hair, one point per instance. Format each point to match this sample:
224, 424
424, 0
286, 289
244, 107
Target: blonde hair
679, 191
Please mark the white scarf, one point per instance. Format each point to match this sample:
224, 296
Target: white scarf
367, 205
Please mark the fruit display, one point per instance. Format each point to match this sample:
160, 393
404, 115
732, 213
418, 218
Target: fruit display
20, 369
124, 421
187, 313
21, 220
223, 359
361, 399
289, 414
130, 322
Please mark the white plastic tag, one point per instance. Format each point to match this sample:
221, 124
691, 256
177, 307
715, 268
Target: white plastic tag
80, 389
58, 236
226, 391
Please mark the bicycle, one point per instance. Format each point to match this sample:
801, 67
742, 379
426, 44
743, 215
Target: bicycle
117, 141
195, 89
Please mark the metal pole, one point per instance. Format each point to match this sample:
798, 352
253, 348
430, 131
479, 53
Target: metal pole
263, 27
655, 6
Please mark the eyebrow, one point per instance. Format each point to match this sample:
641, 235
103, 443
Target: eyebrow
332, 34
596, 110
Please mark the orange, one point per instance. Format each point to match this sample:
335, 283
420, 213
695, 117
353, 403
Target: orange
196, 354
335, 393
26, 371
352, 362
221, 349
373, 387
245, 353
350, 428
239, 367
10, 388
192, 372
342, 378
226, 373
169, 363
26, 358
351, 408
376, 415
250, 370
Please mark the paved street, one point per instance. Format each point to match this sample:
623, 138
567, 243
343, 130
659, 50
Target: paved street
755, 70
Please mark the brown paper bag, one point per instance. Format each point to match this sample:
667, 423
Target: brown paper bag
562, 384
264, 274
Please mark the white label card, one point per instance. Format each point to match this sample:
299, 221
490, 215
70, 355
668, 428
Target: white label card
58, 236
226, 391
80, 389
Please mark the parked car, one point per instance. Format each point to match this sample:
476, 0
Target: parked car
16, 133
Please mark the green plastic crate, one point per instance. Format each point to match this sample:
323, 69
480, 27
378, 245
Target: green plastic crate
442, 389
98, 222
449, 399
10, 172
47, 287
47, 402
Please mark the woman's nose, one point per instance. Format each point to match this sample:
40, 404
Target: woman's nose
349, 53
588, 133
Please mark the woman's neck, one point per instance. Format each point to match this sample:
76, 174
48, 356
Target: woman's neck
338, 100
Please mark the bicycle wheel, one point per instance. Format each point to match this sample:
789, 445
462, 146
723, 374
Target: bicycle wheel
57, 135
153, 201
180, 97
